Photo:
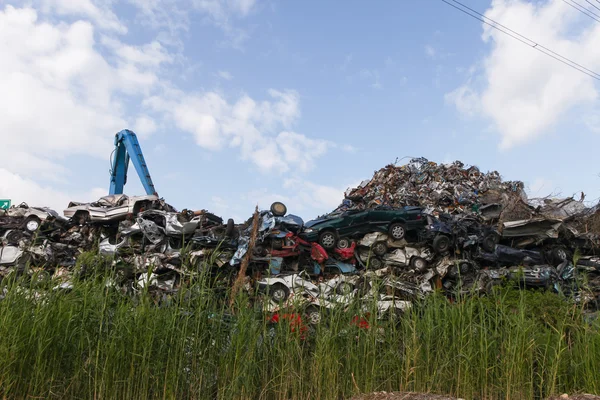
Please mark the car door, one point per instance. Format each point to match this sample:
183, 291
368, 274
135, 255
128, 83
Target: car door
379, 219
355, 222
119, 210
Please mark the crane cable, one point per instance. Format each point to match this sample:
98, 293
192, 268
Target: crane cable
525, 40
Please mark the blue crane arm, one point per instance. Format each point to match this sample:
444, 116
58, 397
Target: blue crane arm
127, 147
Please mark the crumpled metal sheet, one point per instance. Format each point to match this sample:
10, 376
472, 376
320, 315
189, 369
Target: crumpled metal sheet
370, 238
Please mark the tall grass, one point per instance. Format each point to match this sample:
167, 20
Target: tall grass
95, 341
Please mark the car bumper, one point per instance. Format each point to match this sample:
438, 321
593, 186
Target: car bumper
309, 236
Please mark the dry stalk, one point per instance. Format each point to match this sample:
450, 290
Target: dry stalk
239, 281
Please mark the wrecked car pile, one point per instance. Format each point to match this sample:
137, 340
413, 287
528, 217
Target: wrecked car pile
408, 231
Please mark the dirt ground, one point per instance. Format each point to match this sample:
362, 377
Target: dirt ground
427, 396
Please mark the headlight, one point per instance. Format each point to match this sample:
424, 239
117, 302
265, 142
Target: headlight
308, 230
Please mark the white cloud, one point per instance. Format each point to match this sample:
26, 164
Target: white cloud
465, 100
20, 189
430, 51
63, 94
144, 126
225, 75
301, 197
104, 18
259, 129
60, 95
175, 16
524, 92
320, 198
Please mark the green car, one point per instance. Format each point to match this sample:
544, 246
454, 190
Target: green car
338, 228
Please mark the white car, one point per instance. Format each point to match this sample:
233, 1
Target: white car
25, 217
282, 287
109, 208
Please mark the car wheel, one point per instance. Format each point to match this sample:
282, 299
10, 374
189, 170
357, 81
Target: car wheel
278, 209
418, 263
379, 248
230, 228
464, 268
490, 287
344, 288
279, 292
375, 263
313, 314
32, 223
81, 217
344, 243
327, 240
441, 243
14, 236
277, 244
397, 231
489, 242
559, 254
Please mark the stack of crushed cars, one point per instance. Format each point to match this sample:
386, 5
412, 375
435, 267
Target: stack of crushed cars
409, 231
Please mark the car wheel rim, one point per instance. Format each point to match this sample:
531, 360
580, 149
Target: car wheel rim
345, 288
379, 249
561, 255
315, 317
328, 240
32, 226
343, 244
278, 295
398, 232
420, 264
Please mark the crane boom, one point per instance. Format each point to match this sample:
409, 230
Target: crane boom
127, 147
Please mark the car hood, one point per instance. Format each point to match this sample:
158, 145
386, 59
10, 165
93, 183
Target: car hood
314, 222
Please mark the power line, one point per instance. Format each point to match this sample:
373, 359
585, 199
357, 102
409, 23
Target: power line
583, 10
525, 40
592, 4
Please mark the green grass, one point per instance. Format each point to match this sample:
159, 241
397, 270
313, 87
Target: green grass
97, 342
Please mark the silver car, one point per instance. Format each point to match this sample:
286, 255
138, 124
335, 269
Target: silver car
25, 217
115, 207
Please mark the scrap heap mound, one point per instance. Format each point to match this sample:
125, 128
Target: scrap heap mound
408, 231
448, 188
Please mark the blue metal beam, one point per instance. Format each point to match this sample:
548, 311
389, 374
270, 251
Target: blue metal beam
127, 147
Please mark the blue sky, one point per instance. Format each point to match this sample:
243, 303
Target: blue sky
244, 102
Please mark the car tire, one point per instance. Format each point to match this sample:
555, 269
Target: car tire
32, 224
465, 268
489, 242
559, 254
313, 314
278, 209
344, 243
230, 228
279, 292
14, 236
374, 263
344, 288
397, 231
418, 263
490, 287
81, 217
379, 248
441, 244
328, 240
277, 244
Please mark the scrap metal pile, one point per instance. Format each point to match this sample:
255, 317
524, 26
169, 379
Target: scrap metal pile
408, 231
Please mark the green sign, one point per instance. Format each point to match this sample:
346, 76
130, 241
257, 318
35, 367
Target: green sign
4, 204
